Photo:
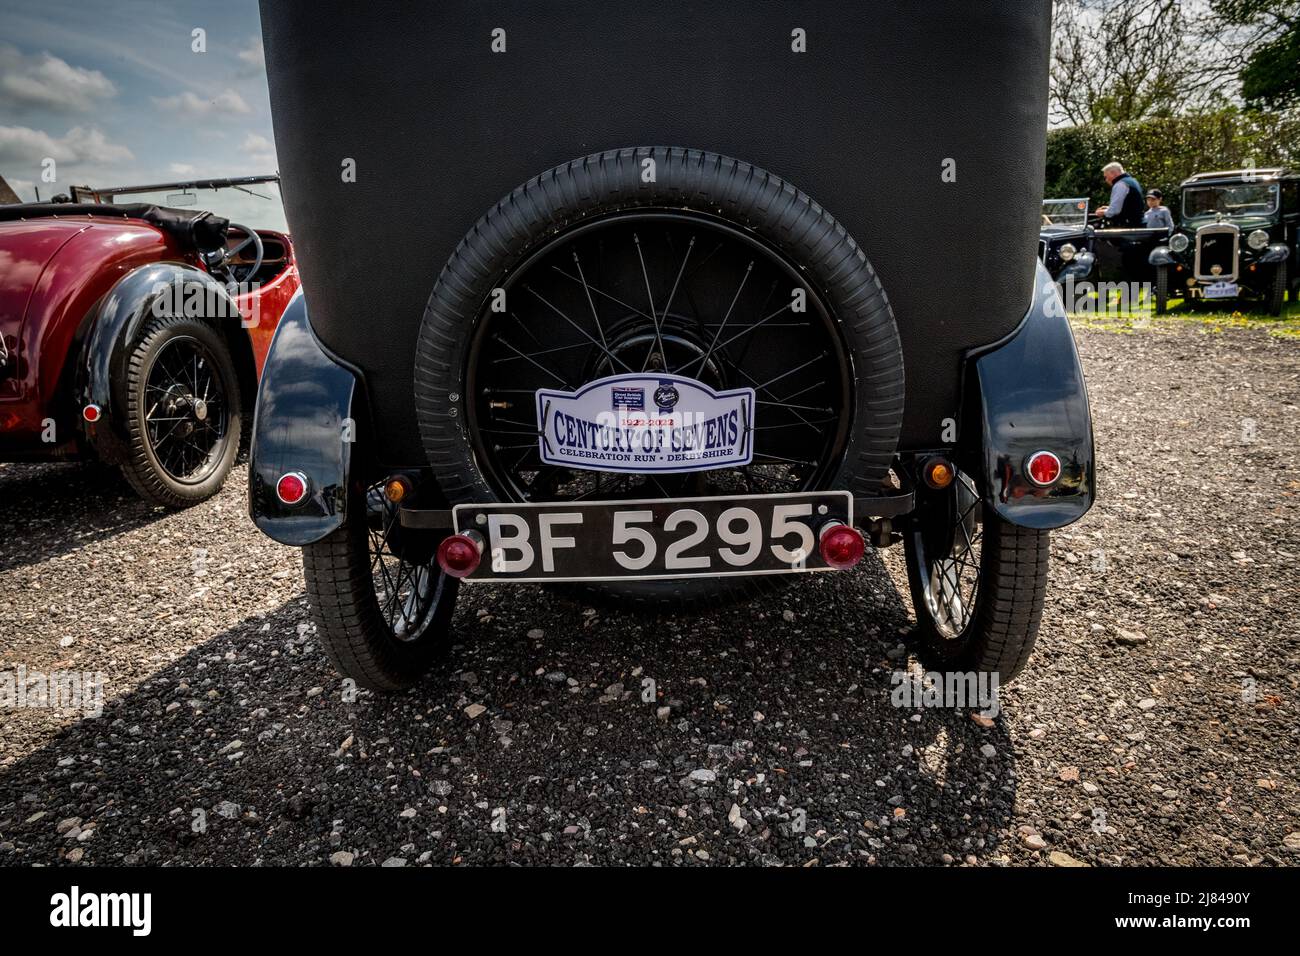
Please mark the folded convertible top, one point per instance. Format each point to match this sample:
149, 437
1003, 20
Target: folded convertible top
194, 230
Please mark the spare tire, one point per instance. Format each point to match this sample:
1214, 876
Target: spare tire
674, 259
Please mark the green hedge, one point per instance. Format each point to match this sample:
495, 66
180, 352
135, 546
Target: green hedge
1163, 152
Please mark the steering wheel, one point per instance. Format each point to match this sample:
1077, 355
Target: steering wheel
223, 259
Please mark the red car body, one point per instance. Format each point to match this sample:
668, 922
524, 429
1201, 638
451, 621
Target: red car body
59, 274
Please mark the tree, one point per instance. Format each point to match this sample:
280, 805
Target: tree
1268, 45
1119, 60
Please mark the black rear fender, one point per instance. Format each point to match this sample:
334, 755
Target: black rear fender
1031, 396
305, 422
154, 290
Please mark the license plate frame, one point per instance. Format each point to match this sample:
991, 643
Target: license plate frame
1221, 290
591, 557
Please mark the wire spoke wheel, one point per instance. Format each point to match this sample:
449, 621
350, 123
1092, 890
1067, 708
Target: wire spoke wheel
407, 588
712, 270
977, 583
382, 606
654, 291
186, 410
949, 558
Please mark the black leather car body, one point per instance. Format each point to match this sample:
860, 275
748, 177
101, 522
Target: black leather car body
554, 204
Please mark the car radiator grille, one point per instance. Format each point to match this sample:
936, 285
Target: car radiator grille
1217, 249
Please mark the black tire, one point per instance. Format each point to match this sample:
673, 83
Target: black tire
1277, 298
696, 182
997, 633
358, 636
1162, 290
149, 466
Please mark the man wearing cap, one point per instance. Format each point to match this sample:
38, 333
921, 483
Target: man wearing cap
1157, 216
1124, 211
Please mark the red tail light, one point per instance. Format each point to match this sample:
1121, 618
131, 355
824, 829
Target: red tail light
291, 488
841, 546
1043, 468
459, 555
90, 413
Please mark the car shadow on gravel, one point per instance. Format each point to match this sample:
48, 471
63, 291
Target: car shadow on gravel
50, 509
552, 733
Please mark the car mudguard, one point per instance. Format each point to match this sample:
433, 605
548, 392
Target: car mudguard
1277, 252
303, 423
1162, 256
160, 288
1032, 397
1080, 267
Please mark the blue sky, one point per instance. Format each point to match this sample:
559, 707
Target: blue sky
113, 92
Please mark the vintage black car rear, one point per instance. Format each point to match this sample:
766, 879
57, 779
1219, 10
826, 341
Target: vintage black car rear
647, 304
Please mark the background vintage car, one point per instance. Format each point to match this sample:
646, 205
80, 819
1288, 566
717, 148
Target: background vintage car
1063, 239
1238, 238
121, 339
1075, 247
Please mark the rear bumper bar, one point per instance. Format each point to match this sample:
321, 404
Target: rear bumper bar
864, 511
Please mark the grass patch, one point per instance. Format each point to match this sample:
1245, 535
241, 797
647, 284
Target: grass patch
1181, 314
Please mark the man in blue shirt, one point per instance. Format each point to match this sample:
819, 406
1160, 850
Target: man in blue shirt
1125, 209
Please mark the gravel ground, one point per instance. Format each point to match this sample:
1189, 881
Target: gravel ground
1155, 725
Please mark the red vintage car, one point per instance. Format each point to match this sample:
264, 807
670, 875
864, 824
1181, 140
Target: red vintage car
133, 330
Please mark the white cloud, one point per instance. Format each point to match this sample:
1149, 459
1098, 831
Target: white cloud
47, 82
22, 144
182, 169
254, 55
190, 104
260, 150
81, 155
255, 143
23, 189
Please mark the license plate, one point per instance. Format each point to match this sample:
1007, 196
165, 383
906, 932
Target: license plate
660, 538
1220, 290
